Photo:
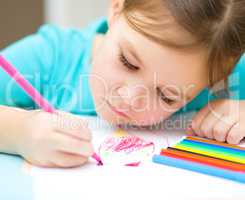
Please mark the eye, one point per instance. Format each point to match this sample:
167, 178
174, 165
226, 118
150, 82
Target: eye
164, 98
126, 63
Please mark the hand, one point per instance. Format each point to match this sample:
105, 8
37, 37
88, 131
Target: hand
55, 140
222, 120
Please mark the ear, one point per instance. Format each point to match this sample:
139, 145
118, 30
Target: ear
115, 10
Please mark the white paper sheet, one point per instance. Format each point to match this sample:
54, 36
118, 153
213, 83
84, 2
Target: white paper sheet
148, 181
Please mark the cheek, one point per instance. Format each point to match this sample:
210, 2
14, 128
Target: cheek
156, 112
107, 71
104, 67
106, 63
153, 116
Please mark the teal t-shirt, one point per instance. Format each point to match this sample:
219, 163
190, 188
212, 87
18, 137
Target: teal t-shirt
57, 63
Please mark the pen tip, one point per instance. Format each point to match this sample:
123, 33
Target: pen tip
100, 163
98, 159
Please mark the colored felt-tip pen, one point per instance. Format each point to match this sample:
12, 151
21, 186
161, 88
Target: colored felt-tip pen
32, 92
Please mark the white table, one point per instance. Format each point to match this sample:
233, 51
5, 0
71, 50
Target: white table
148, 181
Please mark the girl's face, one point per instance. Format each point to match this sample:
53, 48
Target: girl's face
137, 81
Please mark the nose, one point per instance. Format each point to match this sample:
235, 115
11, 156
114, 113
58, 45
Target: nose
133, 96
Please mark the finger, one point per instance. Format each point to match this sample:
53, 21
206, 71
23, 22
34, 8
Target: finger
197, 121
72, 125
235, 135
208, 123
68, 144
66, 160
222, 127
190, 131
41, 164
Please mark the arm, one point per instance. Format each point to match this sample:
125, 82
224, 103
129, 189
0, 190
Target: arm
224, 119
27, 55
44, 139
11, 119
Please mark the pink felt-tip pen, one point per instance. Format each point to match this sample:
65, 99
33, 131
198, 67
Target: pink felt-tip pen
32, 92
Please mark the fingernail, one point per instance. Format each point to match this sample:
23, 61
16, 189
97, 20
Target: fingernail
190, 131
189, 127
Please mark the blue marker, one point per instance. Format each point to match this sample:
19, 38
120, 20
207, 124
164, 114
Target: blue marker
204, 169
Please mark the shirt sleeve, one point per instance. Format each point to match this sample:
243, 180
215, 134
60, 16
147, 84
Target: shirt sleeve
236, 89
237, 81
33, 57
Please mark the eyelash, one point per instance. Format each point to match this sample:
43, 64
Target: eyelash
164, 98
125, 62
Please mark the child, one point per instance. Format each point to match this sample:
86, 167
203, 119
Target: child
154, 58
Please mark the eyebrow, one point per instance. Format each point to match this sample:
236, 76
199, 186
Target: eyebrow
174, 43
178, 46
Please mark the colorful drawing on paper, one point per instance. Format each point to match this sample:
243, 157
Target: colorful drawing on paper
124, 149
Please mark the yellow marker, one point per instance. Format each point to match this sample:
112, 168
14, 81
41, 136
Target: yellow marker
120, 133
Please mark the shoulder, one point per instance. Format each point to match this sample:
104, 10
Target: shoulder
51, 31
240, 65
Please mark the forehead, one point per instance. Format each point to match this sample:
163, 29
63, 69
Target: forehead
171, 66
158, 24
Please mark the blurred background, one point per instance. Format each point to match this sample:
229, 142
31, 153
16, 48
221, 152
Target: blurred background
19, 18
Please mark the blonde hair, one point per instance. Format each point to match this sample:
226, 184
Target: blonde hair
217, 25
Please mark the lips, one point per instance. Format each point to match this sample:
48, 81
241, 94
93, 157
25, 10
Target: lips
117, 111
